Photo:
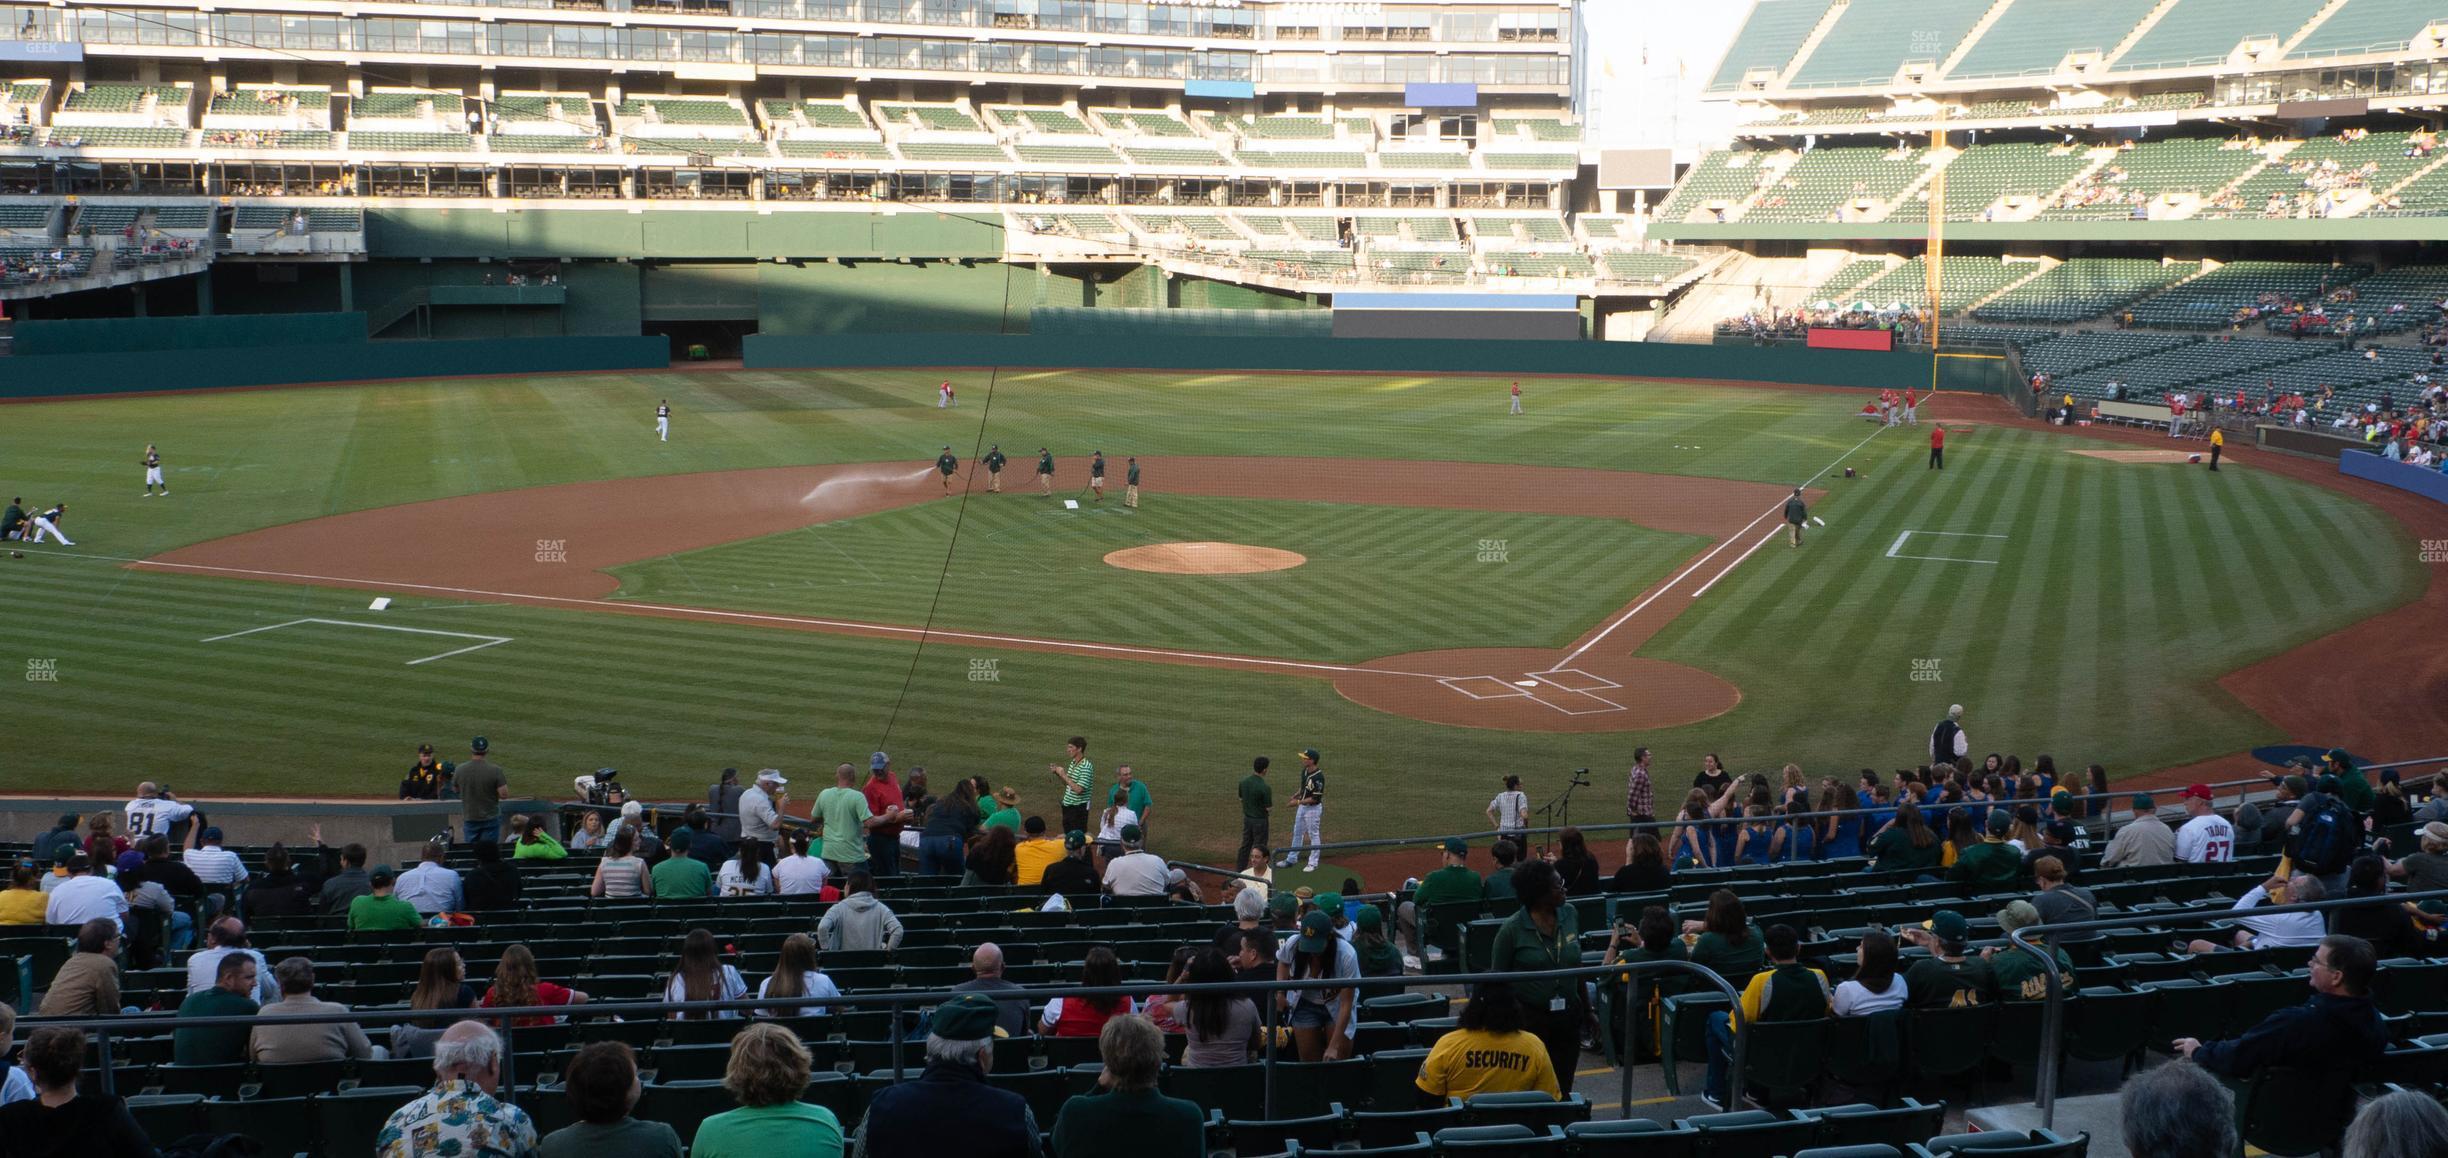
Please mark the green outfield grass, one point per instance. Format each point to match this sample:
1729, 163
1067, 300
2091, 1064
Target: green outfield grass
2116, 597
1379, 581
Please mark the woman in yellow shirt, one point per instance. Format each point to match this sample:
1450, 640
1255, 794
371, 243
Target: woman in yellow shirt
22, 903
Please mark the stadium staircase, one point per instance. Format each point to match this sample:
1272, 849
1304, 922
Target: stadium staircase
1963, 48
2141, 29
1810, 43
2310, 26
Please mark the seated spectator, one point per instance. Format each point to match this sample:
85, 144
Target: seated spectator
859, 922
796, 975
350, 883
951, 1099
2179, 1111
1086, 1016
766, 1074
61, 1120
87, 984
1378, 956
745, 875
1165, 1008
1644, 869
1729, 944
2145, 842
493, 884
1876, 986
232, 995
533, 840
1035, 852
2404, 1124
1785, 991
590, 833
442, 987
61, 838
2423, 871
1989, 862
86, 895
516, 985
1907, 844
2388, 928
1074, 875
2338, 1029
986, 976
223, 938
24, 902
2016, 973
431, 887
2277, 930
146, 948
381, 911
2057, 839
602, 1084
2060, 903
1137, 872
1488, 1051
1453, 883
272, 1043
1947, 978
1126, 1117
1254, 957
622, 874
795, 875
994, 860
281, 891
682, 876
1221, 1028
460, 1115
703, 976
15, 1086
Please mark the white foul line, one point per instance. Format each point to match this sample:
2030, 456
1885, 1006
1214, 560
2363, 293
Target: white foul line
1729, 568
1893, 551
489, 640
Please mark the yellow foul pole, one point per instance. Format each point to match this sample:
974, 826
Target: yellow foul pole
1934, 263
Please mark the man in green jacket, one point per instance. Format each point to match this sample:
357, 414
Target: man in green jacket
1453, 884
1125, 1117
1257, 797
232, 995
379, 911
1992, 862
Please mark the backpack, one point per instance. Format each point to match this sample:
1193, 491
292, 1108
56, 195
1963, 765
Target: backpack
2329, 839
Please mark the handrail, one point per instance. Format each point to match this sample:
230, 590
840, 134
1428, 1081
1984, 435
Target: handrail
2044, 1091
895, 1000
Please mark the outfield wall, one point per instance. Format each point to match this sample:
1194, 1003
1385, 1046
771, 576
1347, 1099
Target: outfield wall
2362, 464
39, 375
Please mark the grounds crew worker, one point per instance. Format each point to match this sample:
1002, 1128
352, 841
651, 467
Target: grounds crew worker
2218, 443
1796, 514
994, 469
948, 465
1130, 485
1045, 472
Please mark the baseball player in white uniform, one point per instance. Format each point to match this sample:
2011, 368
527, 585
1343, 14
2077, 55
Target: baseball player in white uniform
153, 474
47, 523
663, 420
152, 814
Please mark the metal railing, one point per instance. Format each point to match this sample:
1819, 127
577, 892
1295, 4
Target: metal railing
896, 1001
2052, 1022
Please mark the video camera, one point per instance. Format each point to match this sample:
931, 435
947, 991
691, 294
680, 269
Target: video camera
1580, 778
602, 789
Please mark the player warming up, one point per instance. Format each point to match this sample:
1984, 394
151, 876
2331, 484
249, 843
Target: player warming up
48, 523
1045, 472
153, 474
663, 420
948, 465
994, 469
943, 396
1096, 476
1517, 397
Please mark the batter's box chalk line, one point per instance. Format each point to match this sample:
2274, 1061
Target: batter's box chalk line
489, 640
1576, 681
1496, 689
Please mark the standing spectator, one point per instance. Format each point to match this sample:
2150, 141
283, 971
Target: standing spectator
442, 988
2404, 1124
703, 976
1487, 1052
1126, 1117
723, 805
796, 875
949, 825
1257, 800
1640, 794
1221, 1028
683, 877
986, 969
622, 874
492, 885
232, 995
1073, 875
482, 785
1076, 775
843, 817
1321, 1018
460, 1115
431, 887
86, 896
517, 985
1545, 934
951, 1099
345, 886
87, 983
744, 875
859, 922
1510, 812
761, 811
2338, 1029
1308, 812
1574, 863
1452, 884
1947, 978
272, 1043
1006, 814
1785, 991
1130, 792
885, 802
61, 1120
1947, 741
602, 1084
796, 975
1875, 986
2146, 842
380, 911
2177, 1111
213, 865
2206, 837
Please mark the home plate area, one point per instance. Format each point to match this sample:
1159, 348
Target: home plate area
1568, 690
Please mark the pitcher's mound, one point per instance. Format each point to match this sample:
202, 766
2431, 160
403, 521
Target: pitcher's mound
1205, 559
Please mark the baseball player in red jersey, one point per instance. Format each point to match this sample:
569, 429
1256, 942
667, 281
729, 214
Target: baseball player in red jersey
1517, 397
1911, 400
1937, 447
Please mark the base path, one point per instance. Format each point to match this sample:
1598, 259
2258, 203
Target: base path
554, 546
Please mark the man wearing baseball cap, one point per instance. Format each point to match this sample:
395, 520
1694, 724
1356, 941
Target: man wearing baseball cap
1137, 872
951, 1100
2146, 843
2056, 843
1073, 875
2017, 974
1947, 979
1452, 884
2425, 870
1308, 810
2206, 837
886, 803
482, 785
1991, 862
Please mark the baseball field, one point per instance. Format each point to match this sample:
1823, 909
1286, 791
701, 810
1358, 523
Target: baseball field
1474, 593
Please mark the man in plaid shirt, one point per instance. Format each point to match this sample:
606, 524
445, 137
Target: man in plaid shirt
1640, 800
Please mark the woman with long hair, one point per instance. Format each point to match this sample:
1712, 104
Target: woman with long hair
1907, 845
1378, 956
441, 986
590, 832
1713, 778
2044, 766
1693, 846
1222, 1026
2388, 928
1086, 1016
1645, 869
621, 874
1992, 764
1510, 813
1165, 1008
1754, 844
1877, 984
1545, 935
1574, 863
800, 874
703, 976
1839, 836
943, 840
2025, 832
745, 874
1797, 839
2095, 798
101, 847
1795, 788
994, 860
1321, 1018
516, 985
1960, 836
1727, 942
796, 975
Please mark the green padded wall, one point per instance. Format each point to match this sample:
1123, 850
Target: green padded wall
127, 335
676, 234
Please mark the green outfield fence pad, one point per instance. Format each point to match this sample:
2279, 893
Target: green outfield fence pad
220, 332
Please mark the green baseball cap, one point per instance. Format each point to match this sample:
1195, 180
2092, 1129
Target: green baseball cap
1075, 839
1455, 846
1316, 933
1282, 905
1949, 926
968, 1017
1371, 918
2142, 802
1331, 903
